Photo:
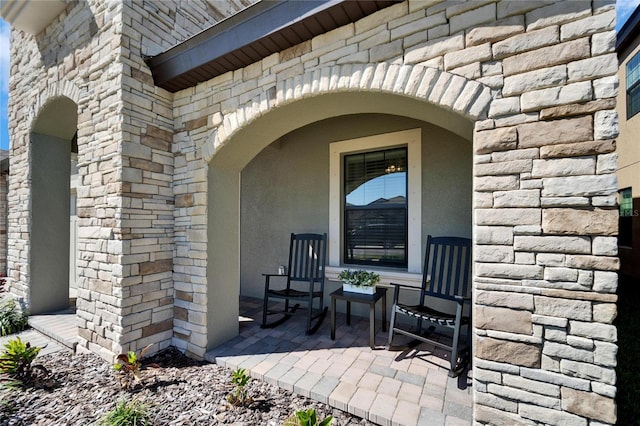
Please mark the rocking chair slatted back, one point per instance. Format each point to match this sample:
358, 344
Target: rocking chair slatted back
444, 258
307, 257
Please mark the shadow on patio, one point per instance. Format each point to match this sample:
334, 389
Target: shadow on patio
409, 387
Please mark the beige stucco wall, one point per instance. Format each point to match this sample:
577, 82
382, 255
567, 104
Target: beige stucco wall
49, 265
628, 173
628, 146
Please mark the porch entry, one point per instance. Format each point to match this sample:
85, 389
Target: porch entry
279, 169
53, 140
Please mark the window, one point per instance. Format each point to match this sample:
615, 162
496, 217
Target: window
633, 86
625, 224
626, 203
375, 208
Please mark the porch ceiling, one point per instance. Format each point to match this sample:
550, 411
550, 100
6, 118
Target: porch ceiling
252, 34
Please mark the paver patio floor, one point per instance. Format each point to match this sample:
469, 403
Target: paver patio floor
404, 387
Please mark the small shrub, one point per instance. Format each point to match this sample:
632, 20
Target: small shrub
240, 378
12, 318
307, 418
129, 366
133, 413
16, 363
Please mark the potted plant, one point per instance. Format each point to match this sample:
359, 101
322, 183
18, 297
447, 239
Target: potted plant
359, 281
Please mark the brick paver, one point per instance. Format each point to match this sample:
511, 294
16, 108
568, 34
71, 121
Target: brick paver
342, 394
382, 409
409, 387
406, 413
361, 402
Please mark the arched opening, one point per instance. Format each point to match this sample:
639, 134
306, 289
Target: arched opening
53, 138
272, 178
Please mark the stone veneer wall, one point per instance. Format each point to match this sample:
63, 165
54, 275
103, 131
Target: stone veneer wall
545, 219
4, 180
538, 78
92, 54
149, 159
81, 66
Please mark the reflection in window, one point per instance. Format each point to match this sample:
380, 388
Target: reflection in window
626, 202
375, 208
625, 224
633, 86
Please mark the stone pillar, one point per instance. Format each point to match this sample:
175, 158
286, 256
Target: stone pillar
4, 182
149, 158
545, 228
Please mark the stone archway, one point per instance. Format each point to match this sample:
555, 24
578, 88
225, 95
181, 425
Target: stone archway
444, 99
51, 138
449, 92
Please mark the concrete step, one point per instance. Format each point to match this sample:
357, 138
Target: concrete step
35, 338
60, 327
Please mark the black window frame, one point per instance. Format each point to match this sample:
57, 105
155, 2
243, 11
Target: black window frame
402, 212
632, 77
625, 222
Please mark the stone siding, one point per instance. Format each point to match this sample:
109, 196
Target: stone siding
4, 182
125, 160
536, 78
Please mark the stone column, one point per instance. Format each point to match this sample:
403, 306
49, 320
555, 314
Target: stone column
545, 231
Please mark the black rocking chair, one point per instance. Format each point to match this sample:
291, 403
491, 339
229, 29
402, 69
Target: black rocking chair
445, 277
304, 281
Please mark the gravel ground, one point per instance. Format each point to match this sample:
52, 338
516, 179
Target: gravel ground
82, 388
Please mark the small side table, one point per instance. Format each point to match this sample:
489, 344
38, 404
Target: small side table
370, 299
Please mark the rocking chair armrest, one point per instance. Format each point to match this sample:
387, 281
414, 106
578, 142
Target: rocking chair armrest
396, 290
409, 287
267, 279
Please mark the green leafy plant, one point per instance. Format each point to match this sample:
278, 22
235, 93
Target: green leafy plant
129, 366
12, 318
359, 277
307, 418
16, 363
238, 397
132, 413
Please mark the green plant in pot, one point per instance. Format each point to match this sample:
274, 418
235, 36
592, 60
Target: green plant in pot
359, 281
